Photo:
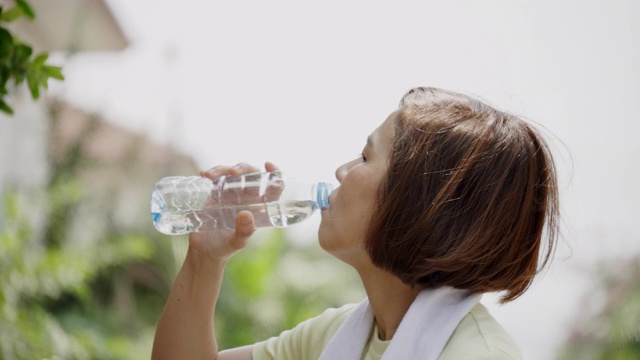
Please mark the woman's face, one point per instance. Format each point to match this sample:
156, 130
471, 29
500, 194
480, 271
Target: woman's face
345, 223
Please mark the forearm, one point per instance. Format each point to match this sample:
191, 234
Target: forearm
185, 330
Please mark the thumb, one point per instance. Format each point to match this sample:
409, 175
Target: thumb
244, 228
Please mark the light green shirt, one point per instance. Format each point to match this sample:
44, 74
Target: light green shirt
478, 336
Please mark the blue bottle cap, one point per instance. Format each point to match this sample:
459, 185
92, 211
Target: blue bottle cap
324, 189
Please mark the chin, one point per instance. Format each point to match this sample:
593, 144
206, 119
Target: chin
323, 237
327, 239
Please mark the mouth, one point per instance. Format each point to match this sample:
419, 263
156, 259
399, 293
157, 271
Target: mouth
327, 207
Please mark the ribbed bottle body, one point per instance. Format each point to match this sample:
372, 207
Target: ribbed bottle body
180, 205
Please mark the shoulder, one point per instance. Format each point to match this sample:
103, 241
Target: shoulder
480, 336
327, 323
333, 316
308, 338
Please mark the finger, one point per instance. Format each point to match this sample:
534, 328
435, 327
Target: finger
242, 168
220, 170
270, 167
215, 172
275, 188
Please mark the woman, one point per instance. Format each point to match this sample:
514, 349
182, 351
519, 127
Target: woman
448, 201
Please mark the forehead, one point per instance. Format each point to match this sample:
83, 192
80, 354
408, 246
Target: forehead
383, 135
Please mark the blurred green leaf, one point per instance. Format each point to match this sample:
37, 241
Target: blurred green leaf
26, 8
12, 14
22, 53
250, 272
5, 108
34, 86
6, 44
53, 71
15, 59
39, 60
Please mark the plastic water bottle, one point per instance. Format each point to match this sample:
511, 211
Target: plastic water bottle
180, 205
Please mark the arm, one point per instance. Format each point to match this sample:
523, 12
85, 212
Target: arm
185, 330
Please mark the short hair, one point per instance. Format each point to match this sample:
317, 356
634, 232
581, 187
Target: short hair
468, 193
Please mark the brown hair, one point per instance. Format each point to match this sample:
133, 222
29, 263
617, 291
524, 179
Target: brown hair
466, 199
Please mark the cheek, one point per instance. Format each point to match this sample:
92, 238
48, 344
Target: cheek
343, 230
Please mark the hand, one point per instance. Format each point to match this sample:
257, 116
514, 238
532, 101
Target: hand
221, 244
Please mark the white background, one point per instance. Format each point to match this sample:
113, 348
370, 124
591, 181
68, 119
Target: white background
303, 83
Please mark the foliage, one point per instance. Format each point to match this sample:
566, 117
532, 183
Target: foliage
17, 62
613, 330
97, 297
271, 286
49, 298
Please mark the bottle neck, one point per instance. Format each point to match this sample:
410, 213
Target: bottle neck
323, 190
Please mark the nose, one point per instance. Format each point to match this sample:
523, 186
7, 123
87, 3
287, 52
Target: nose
342, 170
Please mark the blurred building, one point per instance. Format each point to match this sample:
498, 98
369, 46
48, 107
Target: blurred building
68, 27
119, 167
115, 168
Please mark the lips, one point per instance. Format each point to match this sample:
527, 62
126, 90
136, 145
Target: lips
327, 207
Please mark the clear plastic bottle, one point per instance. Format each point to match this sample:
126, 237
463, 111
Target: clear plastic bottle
180, 205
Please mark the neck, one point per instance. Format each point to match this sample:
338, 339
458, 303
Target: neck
390, 299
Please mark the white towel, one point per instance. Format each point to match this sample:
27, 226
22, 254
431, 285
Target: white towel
422, 334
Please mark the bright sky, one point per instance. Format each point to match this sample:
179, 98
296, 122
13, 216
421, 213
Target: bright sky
303, 84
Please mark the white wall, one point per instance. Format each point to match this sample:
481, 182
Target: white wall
23, 143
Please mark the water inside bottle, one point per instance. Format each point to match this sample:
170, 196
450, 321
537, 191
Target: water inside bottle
290, 212
278, 214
